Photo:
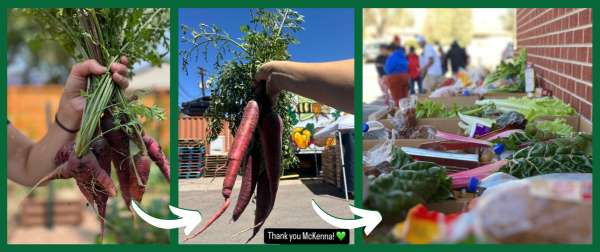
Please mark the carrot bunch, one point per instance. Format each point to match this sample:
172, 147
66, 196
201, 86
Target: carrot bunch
245, 152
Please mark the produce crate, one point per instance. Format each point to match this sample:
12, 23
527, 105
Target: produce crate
190, 143
35, 212
187, 150
191, 159
196, 165
191, 175
328, 166
213, 162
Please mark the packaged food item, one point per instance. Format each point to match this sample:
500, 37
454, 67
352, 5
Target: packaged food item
422, 226
545, 209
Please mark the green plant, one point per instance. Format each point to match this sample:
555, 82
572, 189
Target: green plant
265, 39
105, 35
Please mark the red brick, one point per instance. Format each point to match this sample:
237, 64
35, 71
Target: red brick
562, 82
556, 39
581, 89
564, 53
560, 67
586, 110
561, 11
590, 55
569, 38
587, 35
587, 74
561, 38
578, 36
575, 102
572, 53
576, 71
566, 98
558, 94
584, 17
570, 86
565, 23
574, 20
568, 67
557, 52
555, 13
582, 54
589, 94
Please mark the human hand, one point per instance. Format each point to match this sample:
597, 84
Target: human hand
70, 109
276, 74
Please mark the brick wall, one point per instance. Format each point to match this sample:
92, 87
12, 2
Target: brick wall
559, 44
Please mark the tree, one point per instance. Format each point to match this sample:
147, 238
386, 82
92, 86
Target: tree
266, 39
444, 25
41, 58
385, 19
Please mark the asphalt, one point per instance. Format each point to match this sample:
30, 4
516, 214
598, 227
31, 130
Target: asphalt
293, 209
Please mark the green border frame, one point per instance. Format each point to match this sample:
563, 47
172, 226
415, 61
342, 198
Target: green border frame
358, 5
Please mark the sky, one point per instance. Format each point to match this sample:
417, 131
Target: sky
328, 36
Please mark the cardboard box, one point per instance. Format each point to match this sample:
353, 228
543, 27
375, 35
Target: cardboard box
585, 126
448, 207
447, 124
447, 101
503, 95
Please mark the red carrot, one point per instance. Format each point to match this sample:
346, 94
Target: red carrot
101, 149
263, 202
64, 153
271, 130
120, 155
236, 154
251, 170
142, 165
158, 156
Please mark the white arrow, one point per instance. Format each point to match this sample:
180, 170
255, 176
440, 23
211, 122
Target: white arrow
370, 219
189, 218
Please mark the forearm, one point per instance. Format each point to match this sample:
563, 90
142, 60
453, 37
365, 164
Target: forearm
330, 83
28, 162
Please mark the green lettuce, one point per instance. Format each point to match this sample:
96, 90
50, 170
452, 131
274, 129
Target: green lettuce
545, 159
532, 109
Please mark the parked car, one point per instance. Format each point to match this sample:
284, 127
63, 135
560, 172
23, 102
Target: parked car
508, 53
371, 51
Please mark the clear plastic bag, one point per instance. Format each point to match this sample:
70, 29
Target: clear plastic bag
545, 209
382, 151
405, 116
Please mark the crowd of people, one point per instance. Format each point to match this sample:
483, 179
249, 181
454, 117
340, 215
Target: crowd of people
400, 70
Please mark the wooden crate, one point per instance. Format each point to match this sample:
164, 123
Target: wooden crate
213, 162
328, 158
190, 143
35, 212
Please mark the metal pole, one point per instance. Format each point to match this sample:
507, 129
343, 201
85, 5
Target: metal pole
316, 162
343, 168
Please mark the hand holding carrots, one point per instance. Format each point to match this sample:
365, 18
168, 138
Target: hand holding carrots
331, 83
72, 103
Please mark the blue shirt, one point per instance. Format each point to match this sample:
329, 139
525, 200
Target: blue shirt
396, 63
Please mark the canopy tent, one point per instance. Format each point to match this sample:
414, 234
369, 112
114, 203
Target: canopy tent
344, 123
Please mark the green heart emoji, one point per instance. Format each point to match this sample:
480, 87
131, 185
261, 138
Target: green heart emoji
340, 235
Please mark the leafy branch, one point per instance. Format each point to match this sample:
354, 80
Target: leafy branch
266, 38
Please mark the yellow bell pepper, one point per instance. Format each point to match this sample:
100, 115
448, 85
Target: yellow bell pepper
301, 136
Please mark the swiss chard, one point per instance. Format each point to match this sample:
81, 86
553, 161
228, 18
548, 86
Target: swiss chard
545, 159
411, 184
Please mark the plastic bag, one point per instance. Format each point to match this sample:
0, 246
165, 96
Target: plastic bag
382, 151
404, 121
405, 116
545, 209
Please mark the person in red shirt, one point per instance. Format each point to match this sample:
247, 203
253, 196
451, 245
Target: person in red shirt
413, 72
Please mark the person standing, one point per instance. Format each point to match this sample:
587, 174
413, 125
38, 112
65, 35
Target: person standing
396, 69
380, 65
413, 72
431, 64
443, 58
457, 57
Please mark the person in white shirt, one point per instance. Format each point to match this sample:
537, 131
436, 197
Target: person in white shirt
431, 64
